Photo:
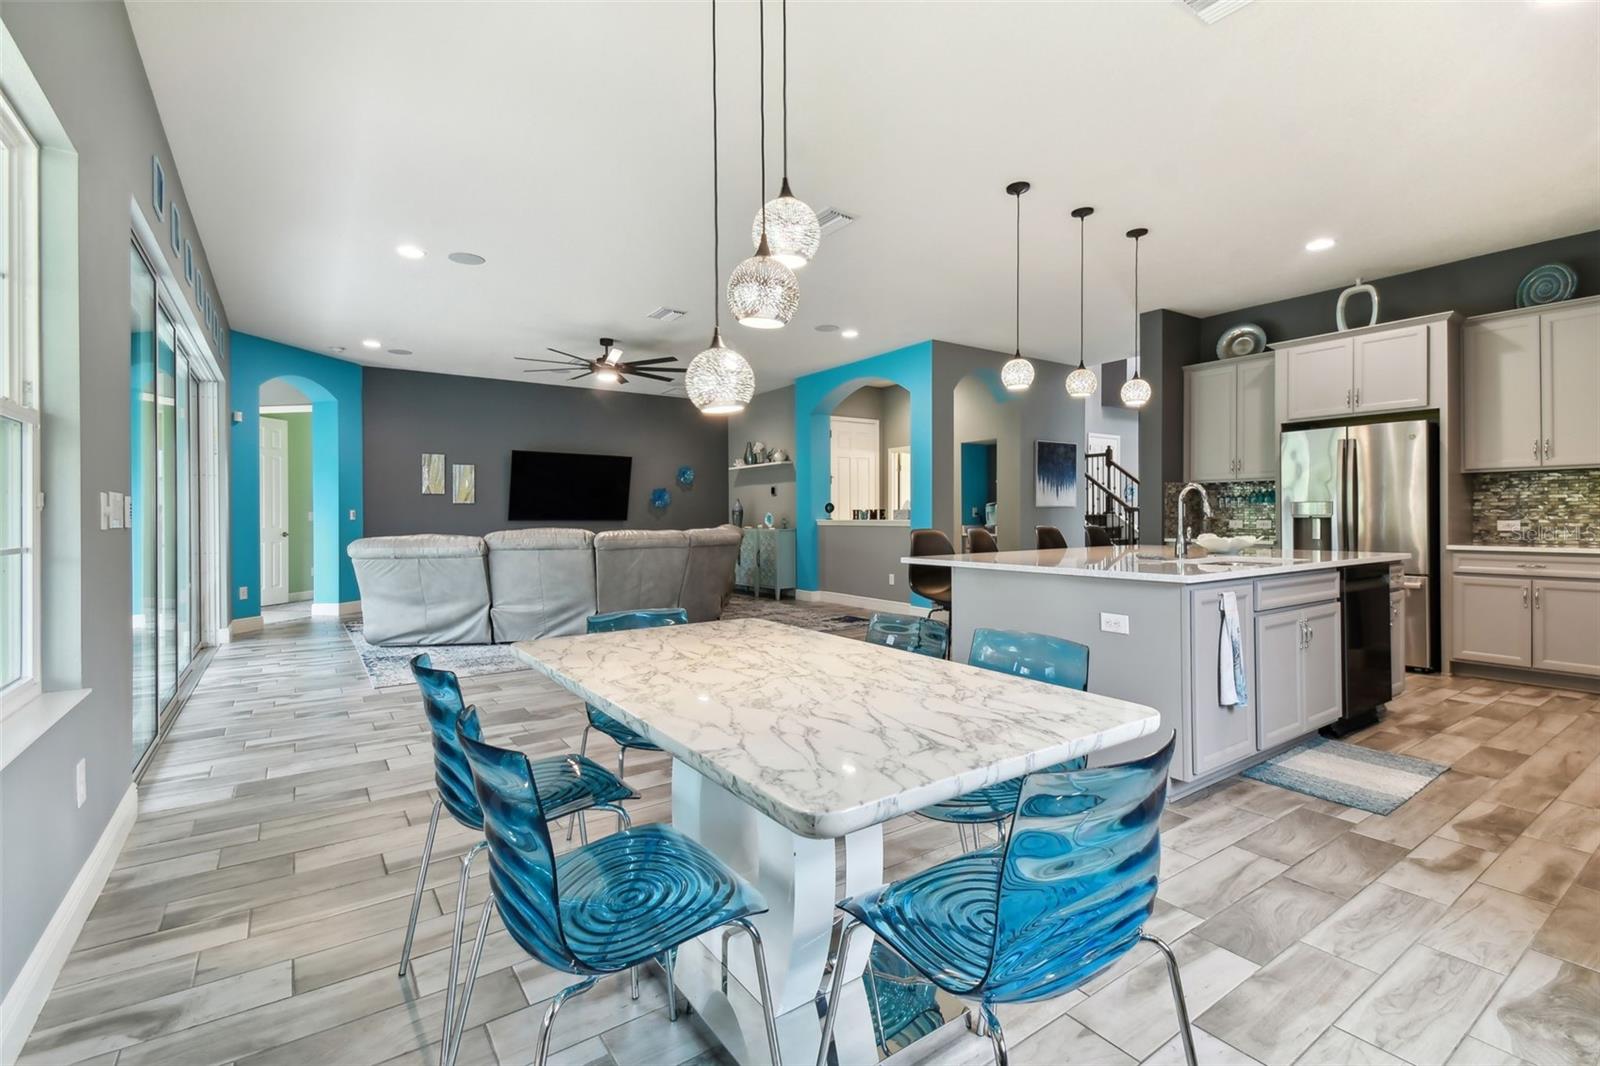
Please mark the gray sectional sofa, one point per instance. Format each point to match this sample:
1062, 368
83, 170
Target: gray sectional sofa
524, 583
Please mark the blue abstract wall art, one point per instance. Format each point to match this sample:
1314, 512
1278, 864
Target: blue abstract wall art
1055, 474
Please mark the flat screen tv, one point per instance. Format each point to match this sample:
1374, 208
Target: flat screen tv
566, 486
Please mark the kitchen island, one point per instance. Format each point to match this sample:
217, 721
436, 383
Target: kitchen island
1152, 623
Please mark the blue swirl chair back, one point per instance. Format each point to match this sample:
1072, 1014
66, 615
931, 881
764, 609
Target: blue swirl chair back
522, 859
442, 701
648, 618
1032, 655
1078, 880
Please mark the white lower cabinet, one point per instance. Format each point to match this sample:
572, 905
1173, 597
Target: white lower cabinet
1566, 626
1298, 680
1218, 734
1492, 620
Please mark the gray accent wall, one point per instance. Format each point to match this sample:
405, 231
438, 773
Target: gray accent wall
482, 421
85, 60
856, 560
768, 418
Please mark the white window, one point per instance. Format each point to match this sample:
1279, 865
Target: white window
19, 408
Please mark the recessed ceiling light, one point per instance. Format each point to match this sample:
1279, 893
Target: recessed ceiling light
850, 334
826, 327
399, 351
1319, 244
370, 343
466, 259
409, 251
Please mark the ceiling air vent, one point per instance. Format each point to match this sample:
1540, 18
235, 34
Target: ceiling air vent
1213, 10
831, 219
666, 314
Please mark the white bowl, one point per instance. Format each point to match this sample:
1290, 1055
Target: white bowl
1225, 545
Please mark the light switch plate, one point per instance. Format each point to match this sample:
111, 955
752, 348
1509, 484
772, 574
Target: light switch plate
1113, 623
121, 510
1509, 525
105, 510
82, 781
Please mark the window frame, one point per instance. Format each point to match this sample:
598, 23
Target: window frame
19, 378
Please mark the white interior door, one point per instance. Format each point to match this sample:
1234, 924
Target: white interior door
854, 465
274, 511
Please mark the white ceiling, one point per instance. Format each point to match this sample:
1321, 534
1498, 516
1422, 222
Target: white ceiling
569, 145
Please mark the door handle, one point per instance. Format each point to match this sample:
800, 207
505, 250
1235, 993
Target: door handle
1547, 447
1358, 397
1536, 598
1524, 598
285, 533
1347, 402
1536, 447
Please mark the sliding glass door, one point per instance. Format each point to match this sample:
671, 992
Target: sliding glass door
165, 512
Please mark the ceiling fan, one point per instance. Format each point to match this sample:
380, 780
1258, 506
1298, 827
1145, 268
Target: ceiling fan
608, 366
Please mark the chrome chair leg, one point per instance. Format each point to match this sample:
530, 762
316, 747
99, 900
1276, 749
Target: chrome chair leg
1177, 996
422, 879
455, 946
727, 934
452, 1042
542, 1052
583, 827
672, 987
837, 989
622, 753
997, 1037
633, 982
961, 831
766, 990
583, 750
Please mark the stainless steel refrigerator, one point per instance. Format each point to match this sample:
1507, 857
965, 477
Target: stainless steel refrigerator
1370, 487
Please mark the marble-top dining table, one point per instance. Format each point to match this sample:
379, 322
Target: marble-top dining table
785, 741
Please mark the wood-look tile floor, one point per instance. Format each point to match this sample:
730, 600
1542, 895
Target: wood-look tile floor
256, 914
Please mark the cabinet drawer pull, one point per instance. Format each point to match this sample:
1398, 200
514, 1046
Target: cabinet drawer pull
1347, 398
1532, 566
1358, 397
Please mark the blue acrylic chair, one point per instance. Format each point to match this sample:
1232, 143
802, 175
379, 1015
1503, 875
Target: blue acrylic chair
1033, 655
566, 783
1066, 896
626, 738
599, 909
925, 636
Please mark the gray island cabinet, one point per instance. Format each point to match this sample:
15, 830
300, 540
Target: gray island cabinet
1153, 625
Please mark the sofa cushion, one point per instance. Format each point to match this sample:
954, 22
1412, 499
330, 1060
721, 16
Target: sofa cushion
708, 576
639, 568
423, 589
542, 581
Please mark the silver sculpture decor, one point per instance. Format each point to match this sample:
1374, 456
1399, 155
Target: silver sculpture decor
1356, 289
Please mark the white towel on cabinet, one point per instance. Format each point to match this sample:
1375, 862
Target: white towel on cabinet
1233, 690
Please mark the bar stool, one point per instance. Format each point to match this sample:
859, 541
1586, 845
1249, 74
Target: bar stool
981, 540
1048, 538
931, 582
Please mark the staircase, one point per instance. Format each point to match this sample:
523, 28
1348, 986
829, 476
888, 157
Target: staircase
1111, 497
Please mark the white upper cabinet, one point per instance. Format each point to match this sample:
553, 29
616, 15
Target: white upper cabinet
1530, 386
1231, 433
1364, 371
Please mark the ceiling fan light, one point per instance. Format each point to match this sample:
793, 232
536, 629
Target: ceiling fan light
762, 292
609, 377
719, 381
1136, 392
1017, 374
1081, 383
793, 233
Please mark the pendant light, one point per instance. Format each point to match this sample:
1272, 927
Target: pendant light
762, 292
1017, 374
719, 380
791, 226
1136, 391
1081, 383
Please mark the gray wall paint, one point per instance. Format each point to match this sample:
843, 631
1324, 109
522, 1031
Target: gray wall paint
769, 418
980, 416
1167, 342
85, 59
1042, 413
482, 421
857, 560
1116, 420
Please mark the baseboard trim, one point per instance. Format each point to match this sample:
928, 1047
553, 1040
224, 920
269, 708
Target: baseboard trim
27, 994
299, 597
348, 609
241, 627
1547, 678
867, 603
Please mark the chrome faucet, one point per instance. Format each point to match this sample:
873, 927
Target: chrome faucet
1183, 529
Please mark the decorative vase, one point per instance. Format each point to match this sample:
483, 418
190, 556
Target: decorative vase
738, 513
1357, 288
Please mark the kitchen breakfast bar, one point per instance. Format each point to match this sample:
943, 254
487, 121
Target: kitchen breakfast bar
1153, 625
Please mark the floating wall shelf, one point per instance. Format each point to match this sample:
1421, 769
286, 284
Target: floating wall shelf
762, 466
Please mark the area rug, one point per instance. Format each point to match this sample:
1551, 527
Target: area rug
389, 666
1348, 774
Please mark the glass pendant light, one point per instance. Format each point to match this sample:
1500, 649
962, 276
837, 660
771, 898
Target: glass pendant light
793, 233
1017, 374
1081, 383
719, 380
762, 292
1136, 391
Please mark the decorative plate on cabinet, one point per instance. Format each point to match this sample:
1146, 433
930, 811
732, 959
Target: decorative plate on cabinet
1246, 338
1547, 284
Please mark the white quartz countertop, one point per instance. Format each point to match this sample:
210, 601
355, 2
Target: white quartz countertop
826, 734
1530, 549
1149, 563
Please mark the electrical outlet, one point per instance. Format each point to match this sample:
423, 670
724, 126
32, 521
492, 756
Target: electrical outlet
105, 510
891, 579
83, 781
1509, 525
1113, 623
352, 514
244, 592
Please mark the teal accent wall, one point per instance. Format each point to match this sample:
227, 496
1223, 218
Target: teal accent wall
977, 480
815, 396
301, 525
334, 388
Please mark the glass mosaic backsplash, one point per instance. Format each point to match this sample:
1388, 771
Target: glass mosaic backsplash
1238, 508
1554, 506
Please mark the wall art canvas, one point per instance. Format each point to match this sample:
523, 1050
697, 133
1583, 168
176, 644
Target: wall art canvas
1055, 474
432, 474
463, 483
